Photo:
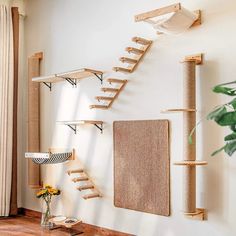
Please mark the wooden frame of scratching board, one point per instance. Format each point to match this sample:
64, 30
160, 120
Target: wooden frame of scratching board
163, 11
189, 162
88, 186
138, 55
114, 91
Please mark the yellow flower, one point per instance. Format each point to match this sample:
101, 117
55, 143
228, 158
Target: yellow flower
41, 193
48, 186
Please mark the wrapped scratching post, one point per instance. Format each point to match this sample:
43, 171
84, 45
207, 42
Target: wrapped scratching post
189, 162
33, 119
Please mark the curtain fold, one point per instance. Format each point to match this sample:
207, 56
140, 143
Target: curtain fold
6, 108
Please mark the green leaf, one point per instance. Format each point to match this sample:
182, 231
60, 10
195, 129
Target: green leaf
233, 127
232, 82
217, 151
233, 103
230, 148
224, 90
217, 113
190, 139
228, 118
230, 137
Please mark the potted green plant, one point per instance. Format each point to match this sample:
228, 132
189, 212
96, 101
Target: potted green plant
225, 115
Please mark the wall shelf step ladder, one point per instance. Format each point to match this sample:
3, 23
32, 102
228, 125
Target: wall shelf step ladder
86, 185
134, 50
128, 60
122, 69
141, 40
115, 93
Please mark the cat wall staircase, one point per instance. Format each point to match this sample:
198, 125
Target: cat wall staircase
85, 184
114, 91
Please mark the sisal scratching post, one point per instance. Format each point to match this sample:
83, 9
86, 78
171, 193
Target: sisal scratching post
189, 151
189, 161
33, 119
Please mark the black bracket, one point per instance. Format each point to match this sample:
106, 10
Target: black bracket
73, 82
49, 85
99, 127
73, 128
100, 77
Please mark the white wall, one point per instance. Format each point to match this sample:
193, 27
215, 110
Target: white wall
74, 34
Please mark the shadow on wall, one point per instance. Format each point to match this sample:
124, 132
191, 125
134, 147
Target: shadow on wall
215, 188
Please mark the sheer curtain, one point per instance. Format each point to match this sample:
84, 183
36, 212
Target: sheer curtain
6, 107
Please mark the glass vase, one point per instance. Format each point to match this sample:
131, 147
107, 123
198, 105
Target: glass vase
46, 215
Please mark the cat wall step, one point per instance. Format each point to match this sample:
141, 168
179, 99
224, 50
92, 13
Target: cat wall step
99, 98
82, 178
85, 187
69, 172
104, 107
134, 50
118, 81
128, 60
141, 41
122, 69
112, 90
92, 195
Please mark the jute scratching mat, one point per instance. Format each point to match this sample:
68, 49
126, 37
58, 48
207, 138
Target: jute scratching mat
141, 166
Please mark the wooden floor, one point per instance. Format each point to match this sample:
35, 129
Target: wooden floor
25, 226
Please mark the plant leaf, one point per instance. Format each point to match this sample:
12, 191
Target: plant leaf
226, 119
190, 140
233, 127
233, 103
217, 151
230, 148
217, 113
230, 137
224, 90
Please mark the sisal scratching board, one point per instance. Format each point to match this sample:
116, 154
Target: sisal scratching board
141, 166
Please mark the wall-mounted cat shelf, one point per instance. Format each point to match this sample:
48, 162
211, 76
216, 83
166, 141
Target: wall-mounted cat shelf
71, 77
85, 183
114, 91
53, 156
74, 124
171, 19
138, 55
189, 161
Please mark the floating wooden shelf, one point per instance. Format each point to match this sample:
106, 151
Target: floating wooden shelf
111, 99
87, 186
71, 76
191, 18
178, 110
190, 163
54, 156
74, 124
197, 58
141, 41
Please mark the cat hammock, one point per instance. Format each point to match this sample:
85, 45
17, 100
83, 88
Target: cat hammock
50, 157
172, 19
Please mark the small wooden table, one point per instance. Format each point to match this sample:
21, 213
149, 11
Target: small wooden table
59, 224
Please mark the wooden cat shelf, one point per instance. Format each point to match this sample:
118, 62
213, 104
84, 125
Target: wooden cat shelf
170, 19
108, 100
138, 54
71, 77
74, 124
85, 183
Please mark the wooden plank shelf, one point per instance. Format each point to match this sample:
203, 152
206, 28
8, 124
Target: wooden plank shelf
134, 50
141, 41
128, 60
112, 90
104, 107
117, 81
69, 172
190, 163
85, 187
99, 98
122, 69
92, 195
179, 110
82, 178
71, 76
74, 124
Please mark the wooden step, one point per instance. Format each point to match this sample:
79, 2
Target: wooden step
121, 69
82, 178
99, 98
112, 90
69, 172
128, 60
85, 187
99, 107
118, 81
141, 40
91, 195
134, 50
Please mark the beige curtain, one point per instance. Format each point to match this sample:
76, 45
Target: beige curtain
6, 108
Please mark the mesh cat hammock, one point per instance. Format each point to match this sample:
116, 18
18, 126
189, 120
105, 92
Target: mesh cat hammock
50, 158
